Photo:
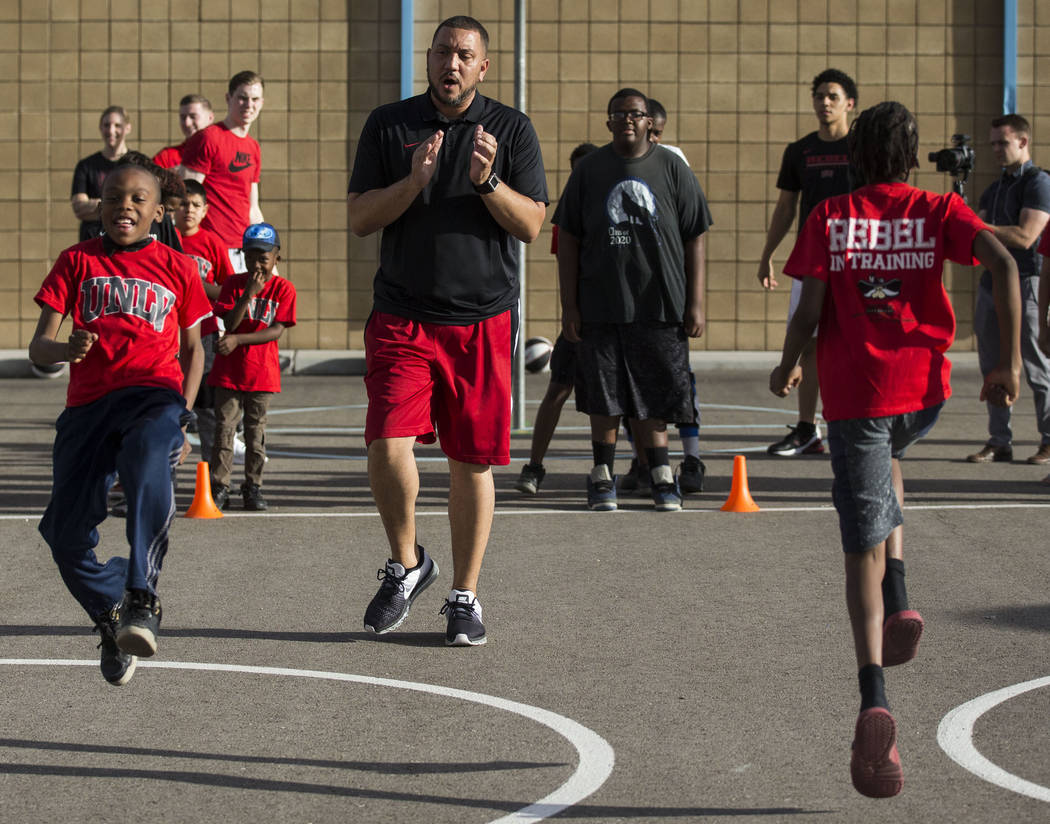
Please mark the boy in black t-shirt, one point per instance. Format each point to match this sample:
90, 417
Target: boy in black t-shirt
815, 167
631, 226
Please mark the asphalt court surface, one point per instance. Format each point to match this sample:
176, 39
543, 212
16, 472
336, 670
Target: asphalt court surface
709, 651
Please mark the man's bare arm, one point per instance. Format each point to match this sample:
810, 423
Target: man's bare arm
377, 208
779, 225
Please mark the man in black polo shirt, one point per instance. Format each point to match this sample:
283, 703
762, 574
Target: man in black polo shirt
452, 178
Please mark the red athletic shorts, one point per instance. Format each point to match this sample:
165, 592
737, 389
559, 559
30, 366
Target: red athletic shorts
424, 377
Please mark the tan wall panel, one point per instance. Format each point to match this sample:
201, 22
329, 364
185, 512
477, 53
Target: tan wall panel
734, 77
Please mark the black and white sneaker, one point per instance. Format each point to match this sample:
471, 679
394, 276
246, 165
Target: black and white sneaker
398, 588
463, 611
691, 473
530, 478
798, 443
117, 666
139, 623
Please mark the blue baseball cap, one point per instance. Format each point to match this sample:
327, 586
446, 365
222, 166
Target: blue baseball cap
260, 236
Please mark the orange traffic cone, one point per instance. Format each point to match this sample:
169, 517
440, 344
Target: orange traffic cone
203, 505
739, 499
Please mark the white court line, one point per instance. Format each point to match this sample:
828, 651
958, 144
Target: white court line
714, 509
596, 757
955, 735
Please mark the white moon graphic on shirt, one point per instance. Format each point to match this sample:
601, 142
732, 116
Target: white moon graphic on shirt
631, 201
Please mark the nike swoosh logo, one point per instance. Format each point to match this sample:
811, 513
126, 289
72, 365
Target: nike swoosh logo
237, 167
410, 145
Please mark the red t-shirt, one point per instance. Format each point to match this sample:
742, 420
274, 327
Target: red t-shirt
1044, 245
887, 320
170, 156
136, 302
254, 368
230, 165
213, 265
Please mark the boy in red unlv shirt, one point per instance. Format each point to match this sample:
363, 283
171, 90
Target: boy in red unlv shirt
136, 359
871, 269
256, 306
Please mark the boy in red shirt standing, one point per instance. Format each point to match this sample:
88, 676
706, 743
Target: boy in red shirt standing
214, 267
871, 267
256, 307
136, 358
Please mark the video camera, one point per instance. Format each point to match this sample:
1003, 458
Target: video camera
956, 161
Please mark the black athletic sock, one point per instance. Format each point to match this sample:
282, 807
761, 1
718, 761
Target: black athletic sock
805, 429
657, 456
604, 453
894, 593
872, 687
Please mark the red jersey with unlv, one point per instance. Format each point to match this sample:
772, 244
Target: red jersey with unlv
136, 302
254, 368
887, 320
230, 165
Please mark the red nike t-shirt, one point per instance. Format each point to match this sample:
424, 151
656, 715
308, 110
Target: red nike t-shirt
136, 302
213, 265
254, 368
230, 165
887, 320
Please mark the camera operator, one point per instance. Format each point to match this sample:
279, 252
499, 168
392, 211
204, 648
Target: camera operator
1016, 207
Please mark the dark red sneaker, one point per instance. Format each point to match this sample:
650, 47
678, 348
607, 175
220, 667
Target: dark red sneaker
900, 637
875, 766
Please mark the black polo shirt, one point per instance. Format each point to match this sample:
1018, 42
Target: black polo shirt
446, 260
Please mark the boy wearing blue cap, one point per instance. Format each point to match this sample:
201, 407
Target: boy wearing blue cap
256, 307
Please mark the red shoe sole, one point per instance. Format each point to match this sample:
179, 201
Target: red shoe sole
875, 766
900, 637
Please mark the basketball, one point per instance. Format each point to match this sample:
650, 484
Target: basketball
538, 354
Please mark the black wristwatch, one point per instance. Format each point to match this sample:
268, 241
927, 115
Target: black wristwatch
488, 186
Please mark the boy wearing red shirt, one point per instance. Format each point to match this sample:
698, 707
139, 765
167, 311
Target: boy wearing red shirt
136, 359
214, 267
871, 268
257, 305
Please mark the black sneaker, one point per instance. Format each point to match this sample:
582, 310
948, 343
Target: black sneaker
398, 588
636, 479
464, 619
691, 474
530, 478
253, 499
139, 623
796, 444
117, 666
220, 494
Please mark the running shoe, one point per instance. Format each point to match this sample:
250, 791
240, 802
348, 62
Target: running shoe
601, 490
666, 495
795, 444
900, 637
636, 479
398, 588
139, 623
463, 611
531, 477
117, 666
691, 475
875, 765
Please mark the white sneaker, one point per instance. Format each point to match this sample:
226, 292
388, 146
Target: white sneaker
239, 451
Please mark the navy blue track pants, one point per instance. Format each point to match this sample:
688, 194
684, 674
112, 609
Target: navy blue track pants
136, 432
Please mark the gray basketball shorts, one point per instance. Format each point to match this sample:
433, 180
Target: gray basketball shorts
862, 450
635, 370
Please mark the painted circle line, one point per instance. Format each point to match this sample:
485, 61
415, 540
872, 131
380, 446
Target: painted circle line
596, 756
955, 735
